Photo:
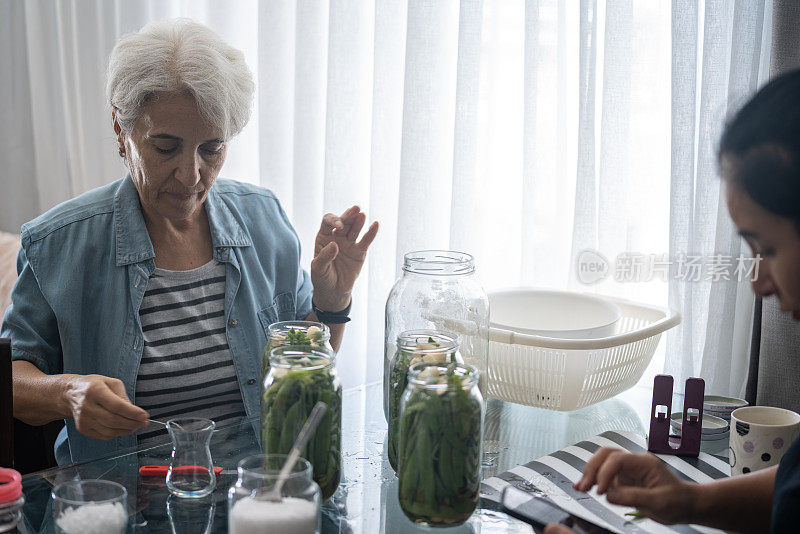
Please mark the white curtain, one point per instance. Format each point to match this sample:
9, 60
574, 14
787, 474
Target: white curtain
523, 132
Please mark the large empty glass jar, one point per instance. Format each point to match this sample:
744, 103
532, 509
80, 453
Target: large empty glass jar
439, 291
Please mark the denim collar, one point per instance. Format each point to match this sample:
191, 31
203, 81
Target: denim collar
133, 241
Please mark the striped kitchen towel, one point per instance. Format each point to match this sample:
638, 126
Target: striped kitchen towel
551, 477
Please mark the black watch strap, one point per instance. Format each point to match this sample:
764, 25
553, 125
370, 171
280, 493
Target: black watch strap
339, 317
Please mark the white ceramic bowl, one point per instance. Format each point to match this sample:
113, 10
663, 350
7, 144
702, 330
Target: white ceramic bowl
722, 406
554, 314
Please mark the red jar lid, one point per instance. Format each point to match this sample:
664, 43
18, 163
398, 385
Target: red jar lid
10, 485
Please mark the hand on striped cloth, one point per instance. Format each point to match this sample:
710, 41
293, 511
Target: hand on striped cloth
553, 476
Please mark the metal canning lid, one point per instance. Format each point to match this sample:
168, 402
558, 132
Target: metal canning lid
10, 485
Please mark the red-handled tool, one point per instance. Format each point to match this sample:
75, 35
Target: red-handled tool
161, 470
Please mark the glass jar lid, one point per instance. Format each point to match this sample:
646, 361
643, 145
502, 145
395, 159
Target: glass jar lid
10, 485
439, 263
436, 376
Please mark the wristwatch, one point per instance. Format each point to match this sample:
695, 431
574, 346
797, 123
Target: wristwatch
339, 317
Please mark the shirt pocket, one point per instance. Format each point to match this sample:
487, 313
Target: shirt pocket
281, 309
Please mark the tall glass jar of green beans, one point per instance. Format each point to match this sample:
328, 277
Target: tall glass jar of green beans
299, 377
306, 333
414, 346
439, 456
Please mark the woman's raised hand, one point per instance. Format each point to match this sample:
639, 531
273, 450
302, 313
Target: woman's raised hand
640, 481
338, 257
101, 408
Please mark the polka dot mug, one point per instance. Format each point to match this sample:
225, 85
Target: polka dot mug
760, 435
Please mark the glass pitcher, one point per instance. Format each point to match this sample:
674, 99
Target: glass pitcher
191, 470
298, 512
438, 291
441, 405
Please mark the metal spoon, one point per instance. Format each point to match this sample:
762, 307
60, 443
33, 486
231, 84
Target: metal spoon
176, 425
305, 434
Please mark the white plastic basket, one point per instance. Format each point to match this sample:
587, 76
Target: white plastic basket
567, 374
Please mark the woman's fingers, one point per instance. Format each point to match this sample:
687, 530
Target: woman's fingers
592, 466
349, 213
98, 416
101, 407
617, 462
116, 401
356, 226
348, 226
330, 222
630, 496
369, 236
326, 255
348, 218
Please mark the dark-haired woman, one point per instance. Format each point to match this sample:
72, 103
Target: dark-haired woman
759, 160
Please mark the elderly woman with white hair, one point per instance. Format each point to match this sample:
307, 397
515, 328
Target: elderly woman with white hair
151, 296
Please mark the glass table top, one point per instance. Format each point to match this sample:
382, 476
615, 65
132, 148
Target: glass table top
366, 501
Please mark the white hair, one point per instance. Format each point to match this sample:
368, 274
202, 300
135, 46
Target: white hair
180, 55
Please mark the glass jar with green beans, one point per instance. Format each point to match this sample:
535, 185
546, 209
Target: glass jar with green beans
305, 333
439, 454
414, 346
299, 377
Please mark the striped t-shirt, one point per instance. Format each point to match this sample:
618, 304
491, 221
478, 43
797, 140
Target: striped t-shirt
187, 367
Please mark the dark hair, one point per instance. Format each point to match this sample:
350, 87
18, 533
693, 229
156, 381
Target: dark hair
762, 141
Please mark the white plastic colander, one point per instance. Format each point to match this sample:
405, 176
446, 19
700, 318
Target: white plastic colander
567, 374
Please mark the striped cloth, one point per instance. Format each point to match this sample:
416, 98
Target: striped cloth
551, 477
187, 367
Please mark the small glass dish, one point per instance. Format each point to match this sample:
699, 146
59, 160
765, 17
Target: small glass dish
89, 507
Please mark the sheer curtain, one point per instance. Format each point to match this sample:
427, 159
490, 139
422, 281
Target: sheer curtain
523, 132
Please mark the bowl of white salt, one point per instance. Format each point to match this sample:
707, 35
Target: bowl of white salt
251, 510
90, 507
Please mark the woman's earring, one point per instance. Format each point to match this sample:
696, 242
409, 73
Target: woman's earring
121, 152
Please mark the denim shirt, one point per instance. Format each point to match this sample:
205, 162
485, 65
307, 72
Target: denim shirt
83, 269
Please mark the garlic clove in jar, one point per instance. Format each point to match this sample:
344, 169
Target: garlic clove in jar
436, 357
280, 372
313, 331
429, 373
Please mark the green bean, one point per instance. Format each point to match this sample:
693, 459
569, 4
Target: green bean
398, 381
439, 454
287, 403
